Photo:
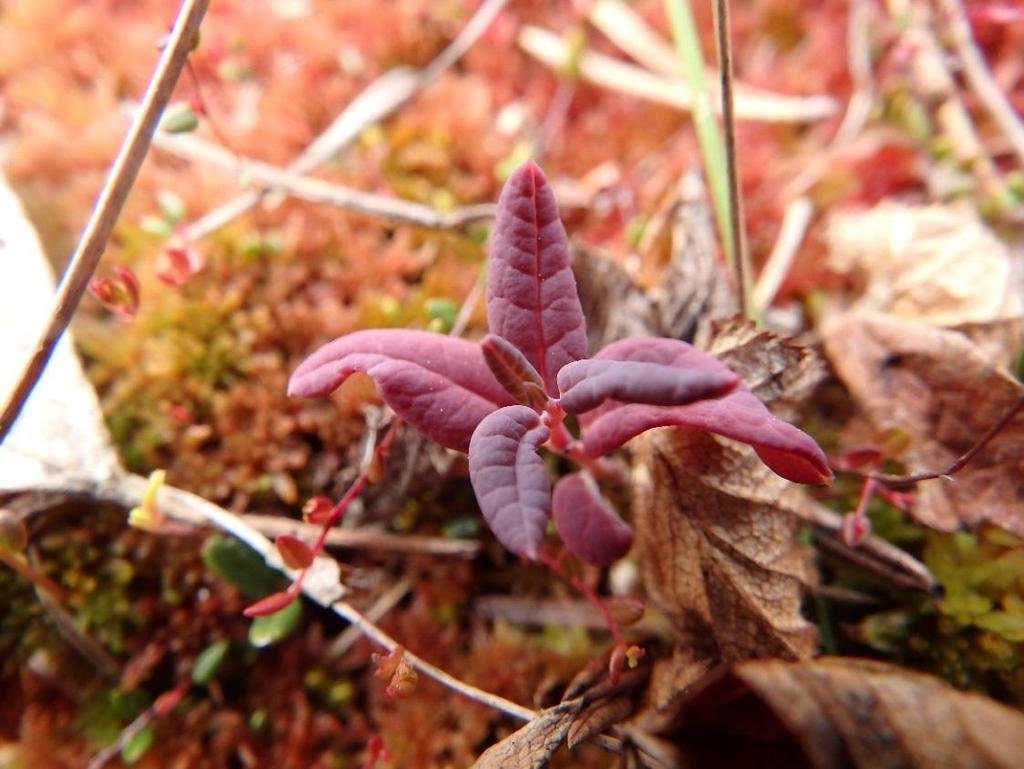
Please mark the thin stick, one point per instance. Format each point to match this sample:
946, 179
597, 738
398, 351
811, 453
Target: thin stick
791, 234
278, 179
900, 481
741, 262
366, 539
371, 631
108, 206
381, 98
980, 78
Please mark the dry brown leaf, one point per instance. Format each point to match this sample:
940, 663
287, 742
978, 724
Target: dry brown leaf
939, 389
717, 546
715, 528
598, 716
779, 372
533, 745
690, 289
842, 713
938, 265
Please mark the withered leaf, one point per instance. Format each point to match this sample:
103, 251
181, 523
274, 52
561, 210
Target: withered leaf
939, 389
690, 289
717, 550
598, 716
715, 528
532, 746
840, 713
936, 264
778, 371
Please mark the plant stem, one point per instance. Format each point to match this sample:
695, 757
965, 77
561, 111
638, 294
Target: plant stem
741, 258
712, 148
108, 206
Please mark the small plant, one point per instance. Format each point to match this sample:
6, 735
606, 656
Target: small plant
502, 399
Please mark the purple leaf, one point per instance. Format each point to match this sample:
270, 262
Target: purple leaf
739, 415
514, 372
587, 524
531, 291
509, 477
438, 384
585, 384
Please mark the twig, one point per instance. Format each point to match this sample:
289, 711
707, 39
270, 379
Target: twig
741, 260
371, 631
109, 753
160, 707
980, 78
388, 601
791, 234
271, 177
902, 481
381, 98
709, 135
366, 538
800, 209
616, 75
321, 586
873, 554
108, 206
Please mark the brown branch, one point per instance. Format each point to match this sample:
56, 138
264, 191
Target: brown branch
736, 231
366, 539
902, 481
979, 77
108, 206
381, 98
283, 180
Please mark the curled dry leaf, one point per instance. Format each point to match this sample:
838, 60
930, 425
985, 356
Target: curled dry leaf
939, 265
718, 551
716, 530
840, 713
938, 388
533, 745
598, 716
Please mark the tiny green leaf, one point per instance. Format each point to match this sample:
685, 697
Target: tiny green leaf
272, 628
209, 661
179, 118
137, 746
237, 563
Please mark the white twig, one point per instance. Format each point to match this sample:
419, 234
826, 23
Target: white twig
607, 72
791, 234
108, 206
367, 539
381, 98
270, 177
980, 78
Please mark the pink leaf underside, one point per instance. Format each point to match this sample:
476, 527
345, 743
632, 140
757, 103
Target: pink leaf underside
587, 524
586, 384
531, 291
511, 483
739, 415
438, 384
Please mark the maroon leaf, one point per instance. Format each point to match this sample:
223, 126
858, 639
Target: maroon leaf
272, 603
514, 372
509, 477
587, 524
295, 553
739, 415
438, 384
531, 291
586, 384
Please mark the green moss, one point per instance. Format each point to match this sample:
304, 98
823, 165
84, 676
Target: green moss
973, 635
